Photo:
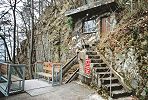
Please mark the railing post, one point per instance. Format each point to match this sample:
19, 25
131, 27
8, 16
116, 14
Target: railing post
56, 74
23, 82
9, 78
52, 74
110, 82
60, 75
111, 74
0, 73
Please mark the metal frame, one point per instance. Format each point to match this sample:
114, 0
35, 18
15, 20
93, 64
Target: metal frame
56, 75
7, 85
2, 51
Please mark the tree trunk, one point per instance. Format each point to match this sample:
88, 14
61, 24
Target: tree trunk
31, 40
14, 33
8, 53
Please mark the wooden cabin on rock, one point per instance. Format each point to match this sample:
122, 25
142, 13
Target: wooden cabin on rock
92, 21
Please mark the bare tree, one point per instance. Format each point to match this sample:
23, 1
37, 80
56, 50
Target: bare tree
14, 30
6, 46
31, 39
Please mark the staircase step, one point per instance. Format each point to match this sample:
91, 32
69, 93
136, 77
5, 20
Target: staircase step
96, 61
99, 65
107, 80
86, 45
93, 44
105, 74
120, 93
101, 69
93, 56
127, 98
114, 86
91, 53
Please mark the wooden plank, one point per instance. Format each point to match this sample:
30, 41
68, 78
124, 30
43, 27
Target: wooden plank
44, 74
47, 69
13, 78
16, 78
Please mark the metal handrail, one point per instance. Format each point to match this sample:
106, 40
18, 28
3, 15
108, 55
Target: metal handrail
118, 76
72, 76
10, 77
110, 77
64, 68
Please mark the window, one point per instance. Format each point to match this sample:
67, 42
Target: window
89, 26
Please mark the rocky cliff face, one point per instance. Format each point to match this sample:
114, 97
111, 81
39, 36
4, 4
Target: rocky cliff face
127, 49
53, 35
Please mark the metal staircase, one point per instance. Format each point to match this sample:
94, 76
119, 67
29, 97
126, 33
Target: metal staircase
103, 76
